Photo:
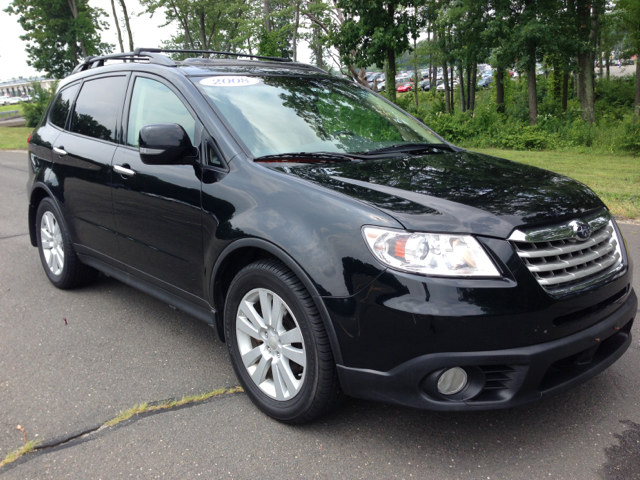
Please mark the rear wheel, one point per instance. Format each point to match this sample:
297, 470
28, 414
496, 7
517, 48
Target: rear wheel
278, 346
58, 257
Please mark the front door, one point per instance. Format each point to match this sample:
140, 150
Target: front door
157, 207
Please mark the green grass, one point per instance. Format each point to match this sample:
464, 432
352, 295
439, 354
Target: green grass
4, 108
616, 179
126, 414
14, 138
16, 454
145, 407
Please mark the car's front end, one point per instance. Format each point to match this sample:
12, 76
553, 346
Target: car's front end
450, 280
506, 285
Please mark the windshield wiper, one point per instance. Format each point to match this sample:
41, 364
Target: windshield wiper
406, 147
306, 157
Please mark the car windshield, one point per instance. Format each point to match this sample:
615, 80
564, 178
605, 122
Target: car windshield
280, 114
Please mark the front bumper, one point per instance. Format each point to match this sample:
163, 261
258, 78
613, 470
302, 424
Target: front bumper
500, 378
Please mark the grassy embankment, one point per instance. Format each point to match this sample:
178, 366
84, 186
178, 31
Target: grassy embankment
4, 108
14, 138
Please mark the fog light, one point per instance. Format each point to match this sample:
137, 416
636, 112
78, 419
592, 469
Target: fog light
452, 381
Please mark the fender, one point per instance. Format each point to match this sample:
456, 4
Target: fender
295, 268
33, 209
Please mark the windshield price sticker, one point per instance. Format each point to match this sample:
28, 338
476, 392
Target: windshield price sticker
229, 81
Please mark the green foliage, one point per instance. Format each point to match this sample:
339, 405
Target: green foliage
613, 131
41, 97
223, 25
56, 38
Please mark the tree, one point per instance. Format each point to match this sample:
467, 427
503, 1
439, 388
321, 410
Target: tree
375, 32
59, 32
206, 24
117, 22
126, 24
41, 97
630, 16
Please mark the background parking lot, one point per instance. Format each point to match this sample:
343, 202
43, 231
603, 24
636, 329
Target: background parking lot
71, 360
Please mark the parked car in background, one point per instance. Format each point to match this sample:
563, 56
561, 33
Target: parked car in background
404, 88
334, 242
424, 85
15, 100
4, 99
441, 88
485, 82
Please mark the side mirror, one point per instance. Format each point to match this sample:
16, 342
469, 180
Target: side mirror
166, 144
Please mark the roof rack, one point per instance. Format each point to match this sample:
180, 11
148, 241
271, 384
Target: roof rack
154, 55
93, 62
140, 51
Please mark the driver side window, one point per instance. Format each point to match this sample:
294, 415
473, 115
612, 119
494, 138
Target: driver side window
153, 102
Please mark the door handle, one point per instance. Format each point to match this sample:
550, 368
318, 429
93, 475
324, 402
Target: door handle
59, 150
123, 170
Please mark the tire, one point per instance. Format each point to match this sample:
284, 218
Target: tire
59, 259
291, 359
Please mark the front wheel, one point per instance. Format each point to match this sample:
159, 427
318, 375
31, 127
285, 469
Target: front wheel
278, 346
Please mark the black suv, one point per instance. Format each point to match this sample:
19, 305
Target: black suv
332, 240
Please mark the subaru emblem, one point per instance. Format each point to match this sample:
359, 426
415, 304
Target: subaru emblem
581, 230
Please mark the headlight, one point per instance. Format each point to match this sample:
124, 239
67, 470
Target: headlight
430, 253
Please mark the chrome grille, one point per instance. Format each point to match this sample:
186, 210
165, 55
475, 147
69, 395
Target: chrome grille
562, 262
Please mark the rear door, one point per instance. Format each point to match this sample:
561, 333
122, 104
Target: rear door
82, 154
157, 207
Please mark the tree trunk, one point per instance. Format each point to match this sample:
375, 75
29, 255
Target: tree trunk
452, 90
358, 75
565, 90
500, 89
469, 87
533, 94
390, 75
266, 12
73, 6
474, 82
126, 23
463, 105
590, 90
295, 33
115, 17
415, 72
636, 115
600, 69
445, 78
608, 60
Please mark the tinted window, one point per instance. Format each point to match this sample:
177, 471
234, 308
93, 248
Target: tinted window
98, 107
61, 107
152, 102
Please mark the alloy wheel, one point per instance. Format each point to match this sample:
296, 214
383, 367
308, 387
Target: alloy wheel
270, 343
52, 243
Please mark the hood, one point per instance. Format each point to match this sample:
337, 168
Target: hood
461, 192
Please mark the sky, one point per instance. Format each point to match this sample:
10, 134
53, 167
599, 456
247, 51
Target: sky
146, 33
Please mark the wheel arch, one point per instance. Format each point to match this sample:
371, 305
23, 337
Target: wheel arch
241, 253
38, 193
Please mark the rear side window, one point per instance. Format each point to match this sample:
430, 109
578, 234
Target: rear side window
98, 107
152, 102
62, 105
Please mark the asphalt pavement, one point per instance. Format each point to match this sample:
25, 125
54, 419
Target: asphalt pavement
71, 360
